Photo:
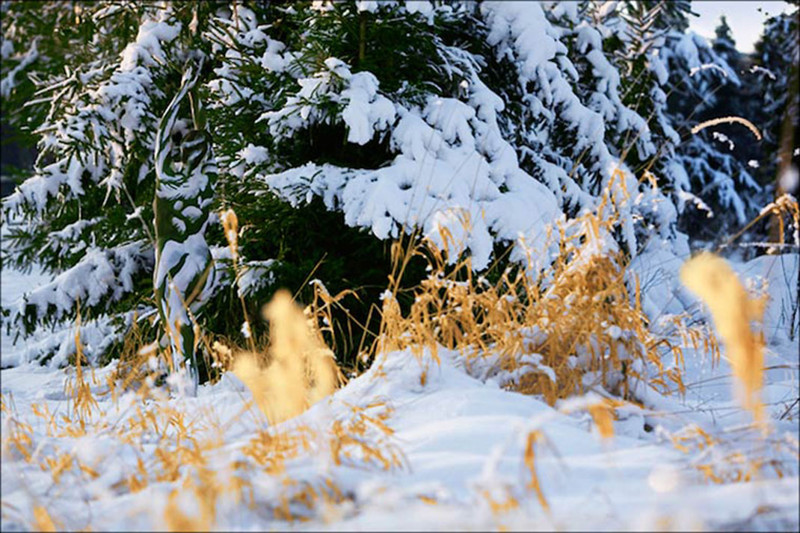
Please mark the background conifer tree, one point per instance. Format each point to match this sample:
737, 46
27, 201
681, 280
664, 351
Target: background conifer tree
776, 59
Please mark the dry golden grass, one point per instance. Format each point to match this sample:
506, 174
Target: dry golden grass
42, 521
17, 438
584, 324
83, 402
715, 282
728, 120
205, 492
132, 366
785, 206
530, 462
732, 458
230, 224
501, 506
603, 415
365, 435
297, 371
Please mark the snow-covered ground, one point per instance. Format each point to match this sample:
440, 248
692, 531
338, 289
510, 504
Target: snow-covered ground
444, 452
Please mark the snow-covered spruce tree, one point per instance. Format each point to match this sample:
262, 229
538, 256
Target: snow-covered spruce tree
335, 127
718, 194
498, 105
744, 99
671, 78
87, 212
777, 61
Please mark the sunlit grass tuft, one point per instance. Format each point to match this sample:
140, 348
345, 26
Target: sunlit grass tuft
577, 327
298, 370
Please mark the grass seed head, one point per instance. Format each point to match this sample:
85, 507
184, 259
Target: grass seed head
301, 369
732, 309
